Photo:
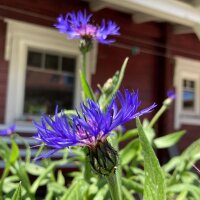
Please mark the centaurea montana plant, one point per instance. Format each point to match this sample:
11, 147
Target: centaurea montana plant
91, 126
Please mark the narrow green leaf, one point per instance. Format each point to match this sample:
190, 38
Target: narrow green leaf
128, 134
56, 188
168, 140
192, 189
61, 178
127, 194
130, 151
14, 152
17, 195
34, 169
172, 163
154, 187
86, 88
182, 195
132, 185
101, 193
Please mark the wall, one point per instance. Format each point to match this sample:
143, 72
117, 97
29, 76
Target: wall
3, 71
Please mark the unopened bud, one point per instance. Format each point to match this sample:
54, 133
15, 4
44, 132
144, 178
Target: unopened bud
103, 158
85, 45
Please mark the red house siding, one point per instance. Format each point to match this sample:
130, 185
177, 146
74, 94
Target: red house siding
3, 71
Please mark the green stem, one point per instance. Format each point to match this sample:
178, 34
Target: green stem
84, 63
114, 184
157, 116
166, 104
87, 169
39, 152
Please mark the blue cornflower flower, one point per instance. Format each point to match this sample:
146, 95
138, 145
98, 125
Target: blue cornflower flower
171, 94
79, 26
89, 127
170, 97
8, 131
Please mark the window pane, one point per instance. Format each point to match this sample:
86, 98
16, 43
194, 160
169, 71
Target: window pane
34, 59
188, 95
188, 100
45, 90
51, 62
68, 64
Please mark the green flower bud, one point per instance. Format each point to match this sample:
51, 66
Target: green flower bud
85, 45
103, 158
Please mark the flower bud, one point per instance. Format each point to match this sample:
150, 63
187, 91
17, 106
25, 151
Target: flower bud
85, 45
103, 158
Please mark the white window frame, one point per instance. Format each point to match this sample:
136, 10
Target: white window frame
20, 37
188, 69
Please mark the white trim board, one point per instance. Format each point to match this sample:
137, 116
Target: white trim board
186, 68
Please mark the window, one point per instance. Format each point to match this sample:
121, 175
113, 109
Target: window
41, 62
50, 79
188, 95
187, 84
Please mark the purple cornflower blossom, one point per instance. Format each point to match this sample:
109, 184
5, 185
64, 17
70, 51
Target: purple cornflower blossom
8, 131
89, 127
171, 94
79, 26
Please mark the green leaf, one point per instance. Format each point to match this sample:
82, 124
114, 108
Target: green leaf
56, 188
17, 195
116, 87
128, 134
130, 151
34, 169
127, 194
192, 189
154, 186
182, 195
168, 140
76, 191
10, 183
101, 193
14, 152
172, 163
61, 178
132, 185
86, 88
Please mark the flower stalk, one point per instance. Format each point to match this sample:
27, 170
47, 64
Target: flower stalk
84, 63
114, 184
166, 104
